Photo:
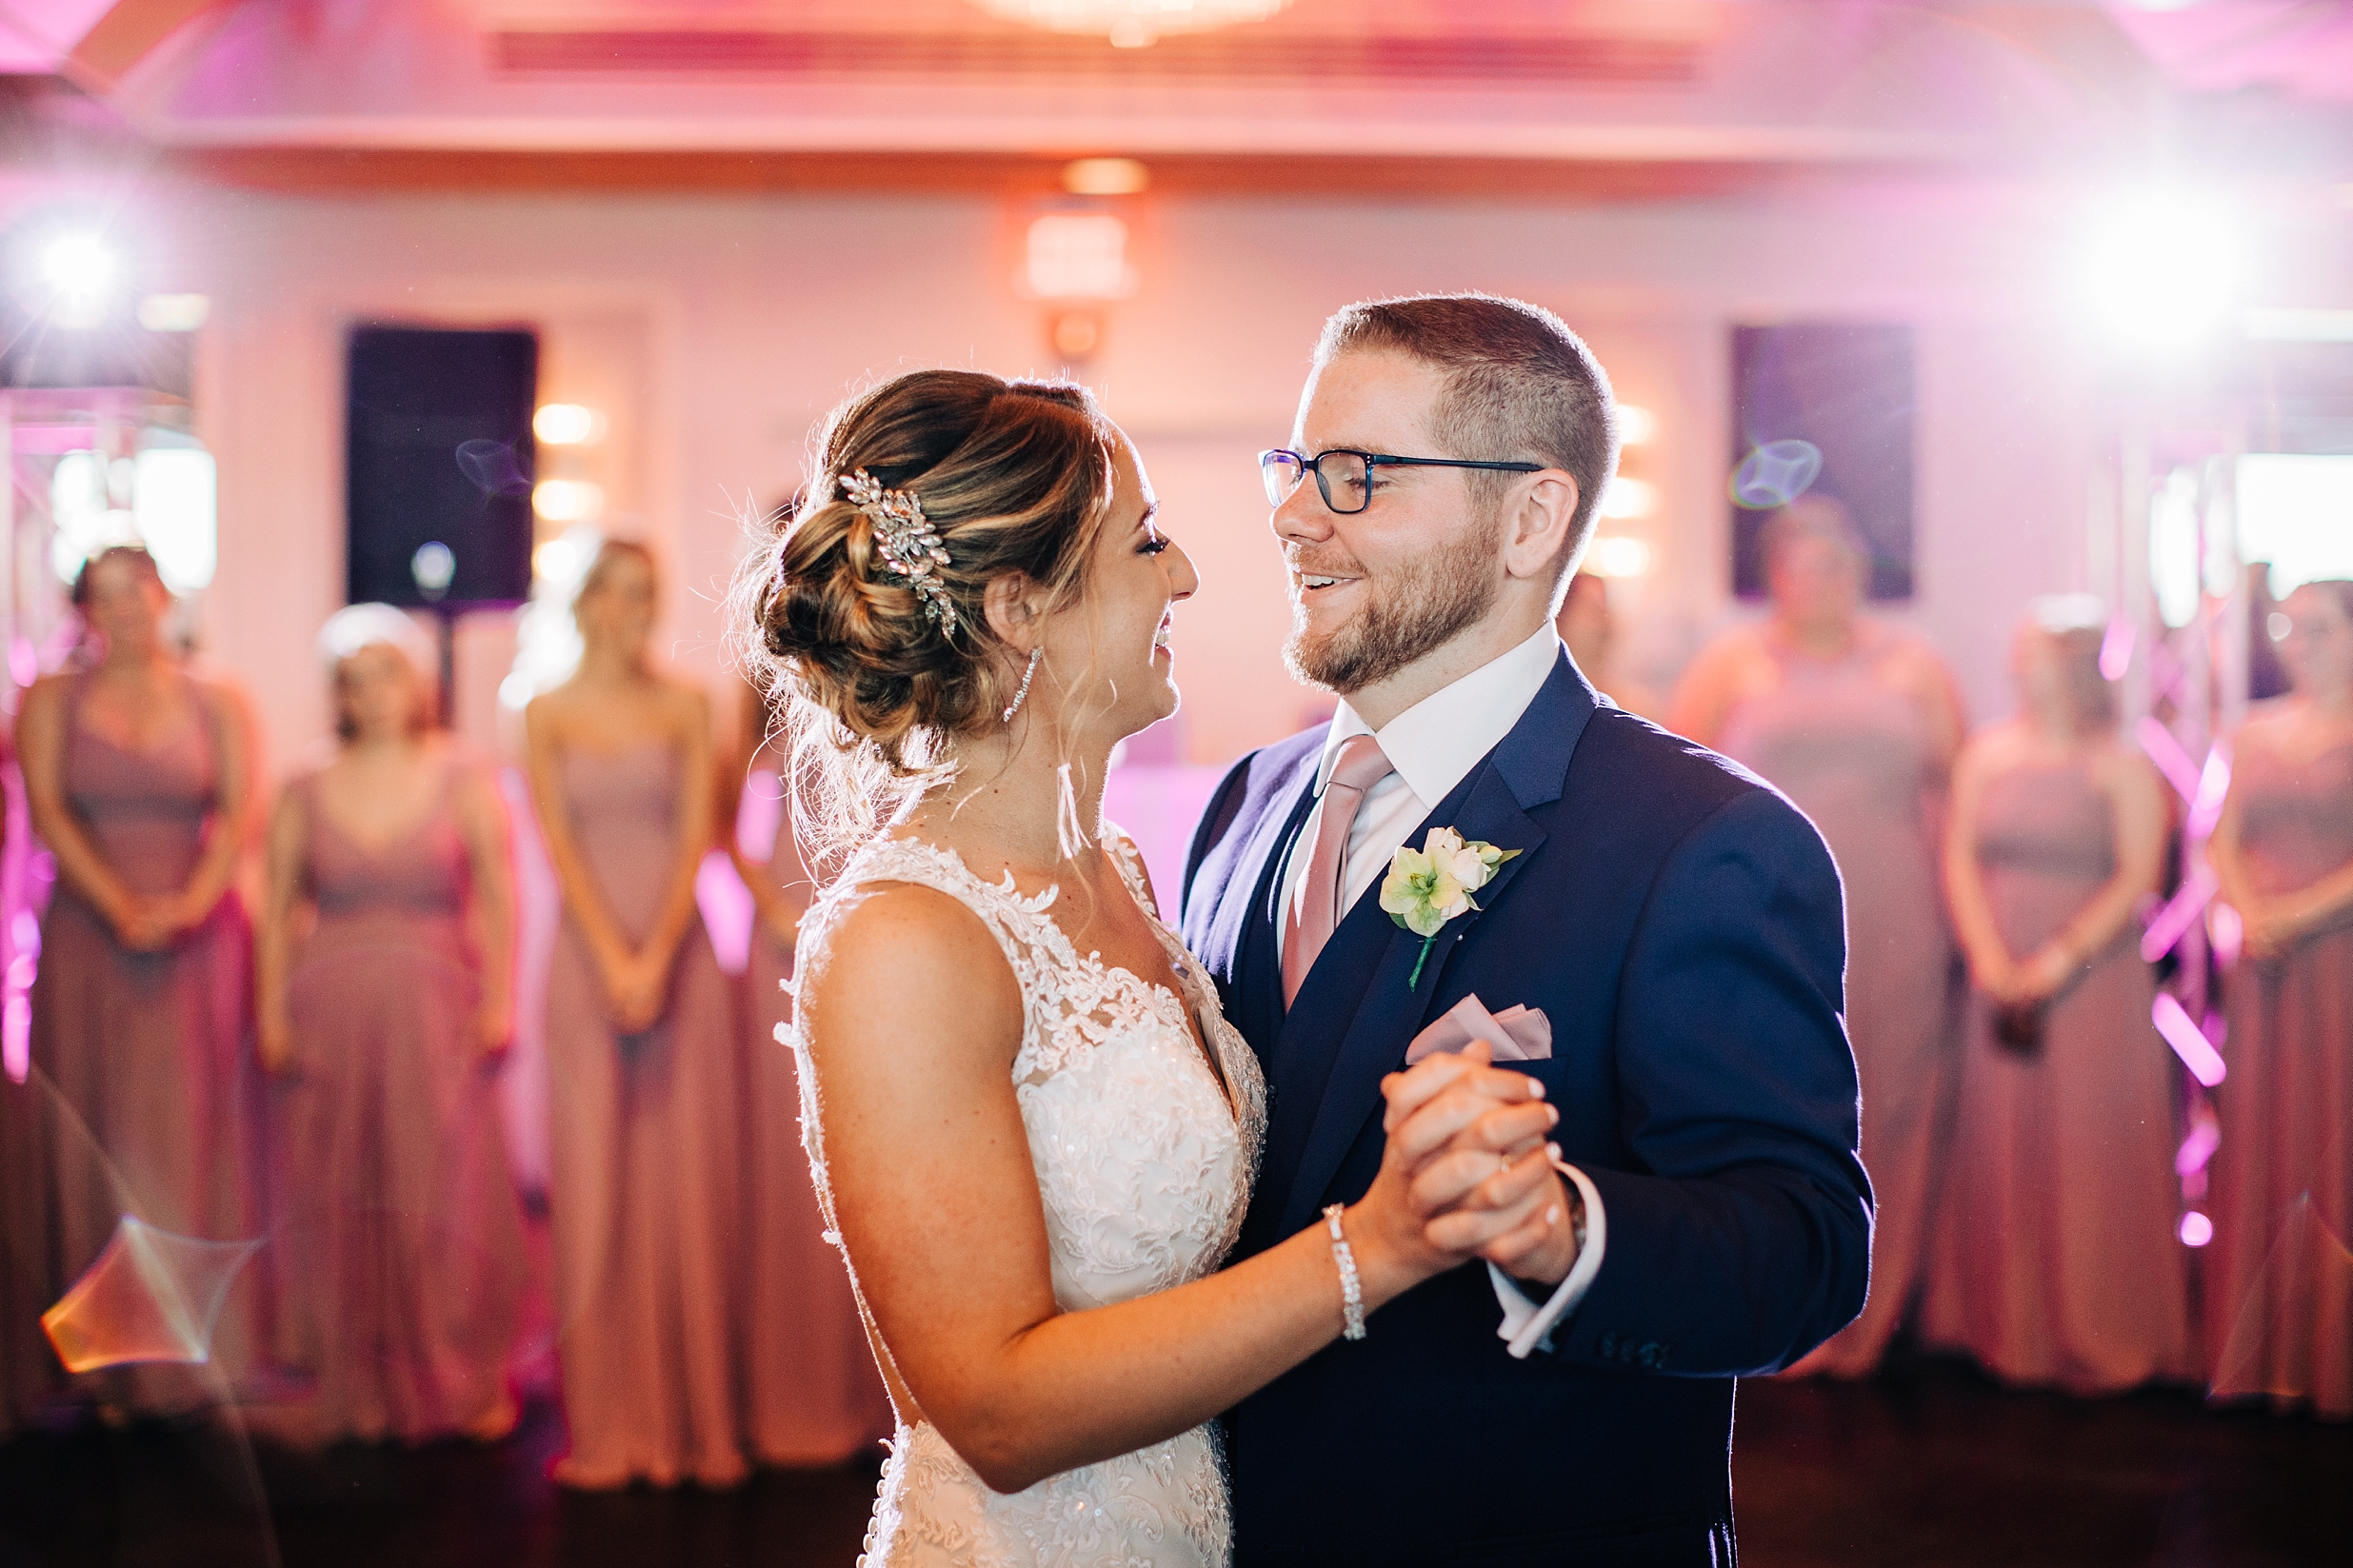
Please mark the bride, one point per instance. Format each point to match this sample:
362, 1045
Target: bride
1033, 1131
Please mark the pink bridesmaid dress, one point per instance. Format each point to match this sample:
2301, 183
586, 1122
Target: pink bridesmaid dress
145, 1084
645, 1190
2054, 1260
29, 1371
2279, 1300
400, 1236
815, 1395
1857, 759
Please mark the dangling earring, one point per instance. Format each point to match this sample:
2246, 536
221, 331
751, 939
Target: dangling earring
1028, 675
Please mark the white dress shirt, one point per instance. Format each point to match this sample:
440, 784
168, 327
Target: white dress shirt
1433, 745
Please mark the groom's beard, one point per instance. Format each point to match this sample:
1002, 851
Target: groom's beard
1410, 612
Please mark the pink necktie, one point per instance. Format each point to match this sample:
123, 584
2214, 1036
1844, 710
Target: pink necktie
1308, 925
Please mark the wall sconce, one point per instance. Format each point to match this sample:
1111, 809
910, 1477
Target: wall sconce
1078, 256
568, 500
1072, 257
567, 425
1623, 497
1616, 555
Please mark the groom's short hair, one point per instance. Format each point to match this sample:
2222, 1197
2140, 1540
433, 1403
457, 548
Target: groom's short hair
1519, 385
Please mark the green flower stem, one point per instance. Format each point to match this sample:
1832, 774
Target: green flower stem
1415, 979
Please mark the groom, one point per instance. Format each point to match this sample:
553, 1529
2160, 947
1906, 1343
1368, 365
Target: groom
1677, 922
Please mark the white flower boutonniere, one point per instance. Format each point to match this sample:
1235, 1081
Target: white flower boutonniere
1429, 887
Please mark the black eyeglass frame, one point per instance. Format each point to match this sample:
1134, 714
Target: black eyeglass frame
1371, 460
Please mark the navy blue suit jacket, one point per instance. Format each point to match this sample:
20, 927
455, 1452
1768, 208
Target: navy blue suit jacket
1681, 924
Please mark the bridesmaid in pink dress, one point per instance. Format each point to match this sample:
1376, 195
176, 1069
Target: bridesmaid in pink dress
644, 1046
1858, 723
2054, 1260
138, 773
815, 1396
29, 1370
2280, 1272
399, 1237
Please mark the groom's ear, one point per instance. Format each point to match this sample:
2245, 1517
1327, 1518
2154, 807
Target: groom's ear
1014, 607
1541, 515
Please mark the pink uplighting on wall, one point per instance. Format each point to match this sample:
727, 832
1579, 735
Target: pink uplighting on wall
2180, 768
2205, 1136
2173, 922
2116, 650
2197, 1052
2226, 929
2205, 807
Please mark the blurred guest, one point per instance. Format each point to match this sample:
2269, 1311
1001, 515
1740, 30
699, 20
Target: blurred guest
1858, 723
2054, 1259
1590, 630
815, 1396
643, 1057
2279, 1298
27, 1369
139, 774
2266, 677
400, 1237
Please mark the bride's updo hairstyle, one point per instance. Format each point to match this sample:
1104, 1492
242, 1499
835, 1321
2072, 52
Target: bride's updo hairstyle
1013, 476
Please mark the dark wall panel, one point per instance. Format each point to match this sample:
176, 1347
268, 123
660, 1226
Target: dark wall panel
440, 450
1845, 387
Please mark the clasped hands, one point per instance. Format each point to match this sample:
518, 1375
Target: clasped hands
1470, 1141
636, 984
2023, 983
148, 923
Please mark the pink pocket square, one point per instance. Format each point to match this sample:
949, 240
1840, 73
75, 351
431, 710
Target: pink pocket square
1518, 1034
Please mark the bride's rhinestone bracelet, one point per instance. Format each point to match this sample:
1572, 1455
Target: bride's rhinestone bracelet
1351, 1289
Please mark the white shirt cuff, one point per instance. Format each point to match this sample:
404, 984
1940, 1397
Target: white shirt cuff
1528, 1326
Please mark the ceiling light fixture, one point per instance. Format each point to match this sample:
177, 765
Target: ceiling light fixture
1104, 177
1133, 24
81, 271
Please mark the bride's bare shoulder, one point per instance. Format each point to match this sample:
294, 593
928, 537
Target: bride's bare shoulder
902, 949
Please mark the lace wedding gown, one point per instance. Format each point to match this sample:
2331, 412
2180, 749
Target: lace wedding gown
1145, 1167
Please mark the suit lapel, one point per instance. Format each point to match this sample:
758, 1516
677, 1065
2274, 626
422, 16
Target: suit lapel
1388, 1012
1355, 1014
1258, 959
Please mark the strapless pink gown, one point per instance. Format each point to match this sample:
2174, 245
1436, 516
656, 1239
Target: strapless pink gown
648, 1165
400, 1238
1855, 757
2280, 1272
2054, 1260
815, 1395
142, 1068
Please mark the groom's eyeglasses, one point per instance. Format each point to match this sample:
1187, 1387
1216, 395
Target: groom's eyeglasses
1345, 478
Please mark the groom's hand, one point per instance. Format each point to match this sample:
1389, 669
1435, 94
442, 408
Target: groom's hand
1473, 1135
1483, 1174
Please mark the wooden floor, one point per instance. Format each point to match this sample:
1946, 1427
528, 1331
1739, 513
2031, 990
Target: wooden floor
1927, 1466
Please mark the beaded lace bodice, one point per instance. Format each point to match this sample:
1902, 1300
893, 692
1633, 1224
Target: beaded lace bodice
1143, 1165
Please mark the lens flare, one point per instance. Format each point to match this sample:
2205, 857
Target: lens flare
2161, 267
492, 467
1775, 474
150, 1297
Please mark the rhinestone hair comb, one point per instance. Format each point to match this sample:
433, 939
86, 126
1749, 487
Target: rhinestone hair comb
909, 545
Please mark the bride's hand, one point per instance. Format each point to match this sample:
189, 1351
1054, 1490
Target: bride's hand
1428, 1105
